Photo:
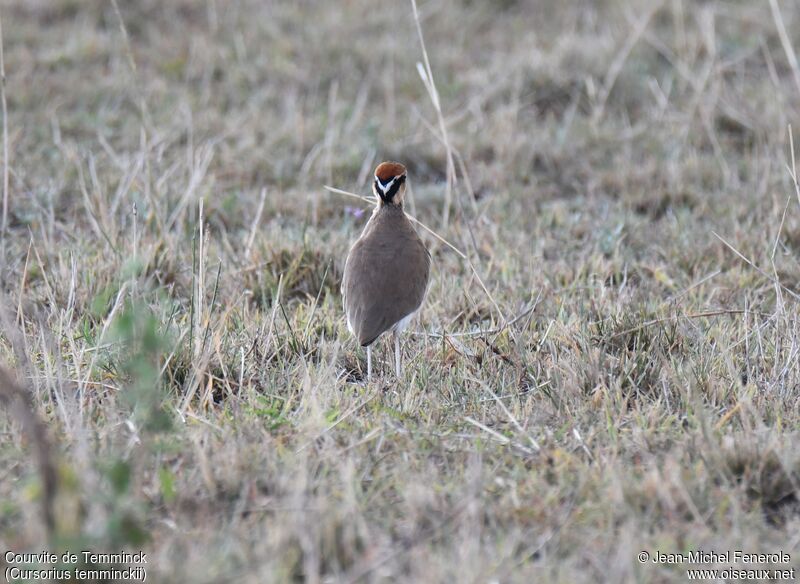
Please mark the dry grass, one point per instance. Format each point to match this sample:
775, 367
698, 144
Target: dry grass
624, 169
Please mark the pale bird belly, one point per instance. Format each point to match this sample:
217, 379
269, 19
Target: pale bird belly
401, 324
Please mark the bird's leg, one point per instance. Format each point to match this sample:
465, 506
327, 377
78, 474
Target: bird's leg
369, 362
397, 353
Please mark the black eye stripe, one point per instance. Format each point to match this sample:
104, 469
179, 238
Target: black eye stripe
387, 198
393, 190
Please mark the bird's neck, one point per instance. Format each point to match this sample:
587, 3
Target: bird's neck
389, 206
383, 213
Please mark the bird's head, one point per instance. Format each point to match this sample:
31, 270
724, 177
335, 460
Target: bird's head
390, 183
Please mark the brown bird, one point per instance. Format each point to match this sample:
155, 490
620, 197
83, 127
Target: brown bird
387, 269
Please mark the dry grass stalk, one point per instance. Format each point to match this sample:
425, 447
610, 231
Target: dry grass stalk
19, 404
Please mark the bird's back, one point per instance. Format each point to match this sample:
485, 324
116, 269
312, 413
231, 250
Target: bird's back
385, 276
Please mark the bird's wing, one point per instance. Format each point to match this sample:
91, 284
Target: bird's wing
391, 284
384, 281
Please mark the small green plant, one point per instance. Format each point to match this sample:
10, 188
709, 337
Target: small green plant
142, 347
